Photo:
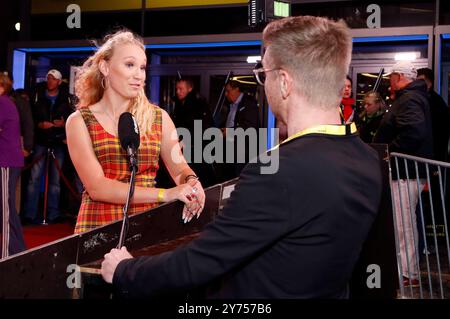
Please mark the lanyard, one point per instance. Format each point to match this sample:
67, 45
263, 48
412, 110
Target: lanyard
324, 129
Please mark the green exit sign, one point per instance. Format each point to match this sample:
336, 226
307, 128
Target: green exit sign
281, 9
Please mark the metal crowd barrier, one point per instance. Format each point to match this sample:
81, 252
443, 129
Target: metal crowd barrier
420, 202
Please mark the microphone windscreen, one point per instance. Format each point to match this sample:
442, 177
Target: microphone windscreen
128, 131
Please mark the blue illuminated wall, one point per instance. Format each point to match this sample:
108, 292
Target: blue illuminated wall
19, 61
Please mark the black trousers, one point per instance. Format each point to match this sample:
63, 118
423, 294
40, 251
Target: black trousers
12, 241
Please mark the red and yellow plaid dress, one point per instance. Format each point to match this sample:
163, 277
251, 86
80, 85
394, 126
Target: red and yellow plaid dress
113, 160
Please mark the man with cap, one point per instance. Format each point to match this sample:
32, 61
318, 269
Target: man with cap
52, 106
406, 128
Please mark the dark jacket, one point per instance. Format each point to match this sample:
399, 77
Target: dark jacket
296, 233
42, 111
440, 121
185, 113
406, 127
26, 121
193, 108
247, 114
368, 125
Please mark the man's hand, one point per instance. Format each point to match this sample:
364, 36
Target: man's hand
112, 259
45, 125
59, 123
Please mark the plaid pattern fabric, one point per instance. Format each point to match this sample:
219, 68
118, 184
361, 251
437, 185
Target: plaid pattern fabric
113, 160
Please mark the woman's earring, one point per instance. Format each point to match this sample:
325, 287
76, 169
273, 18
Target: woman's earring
103, 83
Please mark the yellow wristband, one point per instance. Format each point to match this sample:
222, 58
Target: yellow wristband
161, 195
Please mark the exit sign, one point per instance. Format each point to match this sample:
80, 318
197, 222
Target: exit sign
281, 9
263, 11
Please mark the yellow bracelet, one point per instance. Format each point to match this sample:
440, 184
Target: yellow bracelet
161, 195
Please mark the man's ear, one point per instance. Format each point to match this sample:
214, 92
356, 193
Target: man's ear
286, 83
104, 68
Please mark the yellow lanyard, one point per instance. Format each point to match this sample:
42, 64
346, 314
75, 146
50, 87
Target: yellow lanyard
323, 129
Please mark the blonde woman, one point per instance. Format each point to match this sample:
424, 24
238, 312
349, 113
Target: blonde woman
110, 83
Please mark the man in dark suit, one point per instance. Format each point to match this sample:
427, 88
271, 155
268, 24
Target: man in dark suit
241, 112
190, 110
296, 232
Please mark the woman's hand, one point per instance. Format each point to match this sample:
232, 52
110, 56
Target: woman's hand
198, 196
191, 194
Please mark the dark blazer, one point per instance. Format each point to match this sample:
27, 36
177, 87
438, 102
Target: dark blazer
293, 234
247, 114
193, 108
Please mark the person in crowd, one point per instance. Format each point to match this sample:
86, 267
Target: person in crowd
23, 94
348, 102
190, 107
241, 112
406, 128
50, 111
296, 232
26, 127
11, 161
370, 117
110, 83
440, 116
440, 123
22, 102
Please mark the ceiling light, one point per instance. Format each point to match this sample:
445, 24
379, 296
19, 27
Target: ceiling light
253, 59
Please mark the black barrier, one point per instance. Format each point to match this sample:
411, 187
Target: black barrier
45, 272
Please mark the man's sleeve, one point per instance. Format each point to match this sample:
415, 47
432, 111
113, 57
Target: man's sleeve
256, 216
412, 128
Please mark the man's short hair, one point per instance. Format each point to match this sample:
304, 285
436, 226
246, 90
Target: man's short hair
316, 52
427, 73
234, 84
188, 82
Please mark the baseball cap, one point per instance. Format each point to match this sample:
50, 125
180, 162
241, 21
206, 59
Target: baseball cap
404, 67
56, 74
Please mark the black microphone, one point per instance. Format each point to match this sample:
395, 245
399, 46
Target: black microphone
129, 137
129, 140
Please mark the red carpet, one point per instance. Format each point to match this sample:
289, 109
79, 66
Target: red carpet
36, 235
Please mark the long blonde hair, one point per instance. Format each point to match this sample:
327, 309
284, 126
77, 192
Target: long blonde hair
88, 85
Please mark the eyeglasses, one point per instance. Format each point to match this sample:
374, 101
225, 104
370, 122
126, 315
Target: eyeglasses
260, 73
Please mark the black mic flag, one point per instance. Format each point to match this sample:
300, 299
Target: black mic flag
129, 136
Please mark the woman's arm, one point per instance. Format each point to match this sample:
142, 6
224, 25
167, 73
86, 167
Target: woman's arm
99, 187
